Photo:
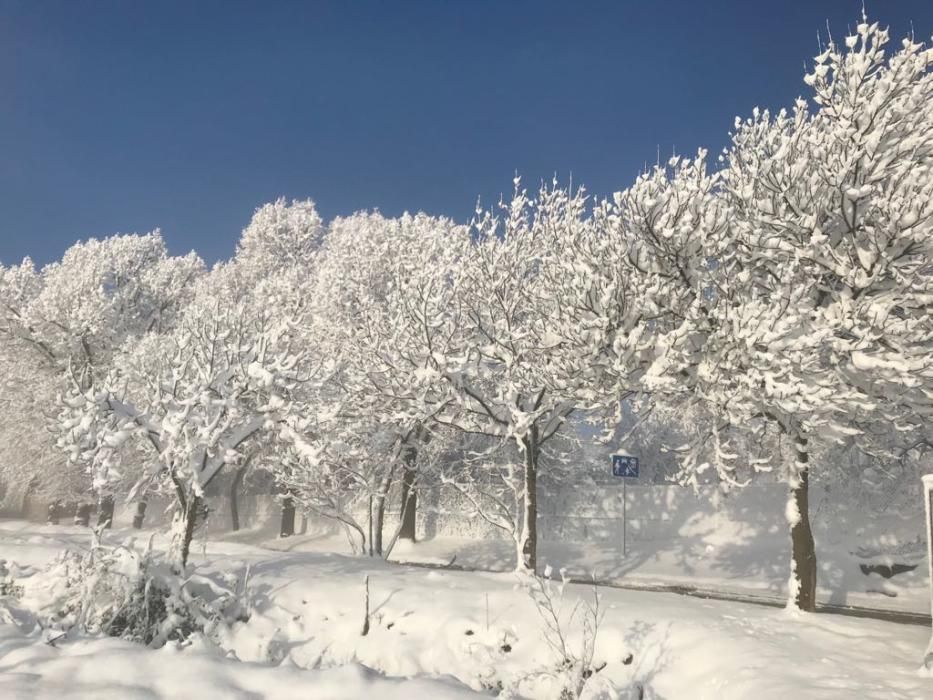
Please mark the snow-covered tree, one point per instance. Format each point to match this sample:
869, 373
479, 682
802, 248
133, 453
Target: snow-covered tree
281, 240
530, 349
31, 466
280, 236
65, 322
195, 395
797, 278
831, 213
379, 282
76, 312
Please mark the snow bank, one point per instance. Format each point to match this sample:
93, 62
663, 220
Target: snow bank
108, 668
480, 629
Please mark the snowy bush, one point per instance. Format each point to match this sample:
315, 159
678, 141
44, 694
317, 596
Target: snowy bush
11, 612
8, 587
571, 636
135, 595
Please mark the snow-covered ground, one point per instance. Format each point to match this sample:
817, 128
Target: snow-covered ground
108, 668
759, 568
439, 634
738, 543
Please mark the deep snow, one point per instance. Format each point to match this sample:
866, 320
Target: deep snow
434, 623
108, 668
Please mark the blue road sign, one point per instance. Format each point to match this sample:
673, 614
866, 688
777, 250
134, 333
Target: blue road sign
623, 465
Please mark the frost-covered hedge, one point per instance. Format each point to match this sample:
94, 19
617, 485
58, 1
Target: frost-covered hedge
133, 594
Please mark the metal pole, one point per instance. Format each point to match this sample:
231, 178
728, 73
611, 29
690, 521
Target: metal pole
624, 525
928, 526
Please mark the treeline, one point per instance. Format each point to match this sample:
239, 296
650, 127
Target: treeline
782, 297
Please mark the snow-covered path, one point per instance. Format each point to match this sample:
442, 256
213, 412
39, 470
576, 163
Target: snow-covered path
434, 623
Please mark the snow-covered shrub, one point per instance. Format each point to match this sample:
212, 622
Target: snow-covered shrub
11, 611
571, 636
135, 595
8, 586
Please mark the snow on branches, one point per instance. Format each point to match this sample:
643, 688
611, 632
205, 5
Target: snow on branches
780, 298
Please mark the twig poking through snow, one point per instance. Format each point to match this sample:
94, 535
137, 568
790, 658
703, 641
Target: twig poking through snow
487, 612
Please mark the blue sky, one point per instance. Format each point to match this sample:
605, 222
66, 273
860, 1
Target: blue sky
127, 116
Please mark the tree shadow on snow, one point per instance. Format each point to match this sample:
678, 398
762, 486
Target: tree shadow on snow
673, 536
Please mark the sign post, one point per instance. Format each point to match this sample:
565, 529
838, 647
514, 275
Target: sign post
625, 467
928, 527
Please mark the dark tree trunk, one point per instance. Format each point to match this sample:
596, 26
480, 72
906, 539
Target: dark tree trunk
366, 606
140, 515
105, 508
377, 525
409, 510
379, 518
288, 517
183, 532
530, 516
234, 498
370, 526
83, 515
803, 553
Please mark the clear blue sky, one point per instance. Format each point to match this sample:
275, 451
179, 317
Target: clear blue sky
126, 116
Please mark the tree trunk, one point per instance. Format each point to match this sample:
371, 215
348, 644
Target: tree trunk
54, 512
183, 526
105, 508
83, 515
380, 516
370, 518
803, 550
288, 517
366, 606
530, 506
234, 498
409, 508
27, 496
377, 525
140, 515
